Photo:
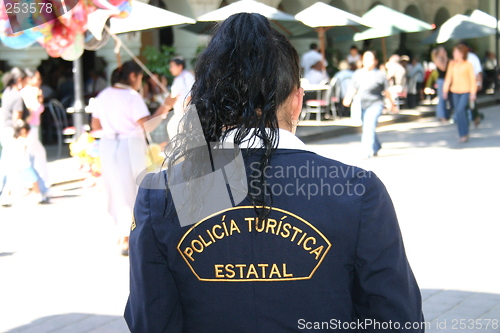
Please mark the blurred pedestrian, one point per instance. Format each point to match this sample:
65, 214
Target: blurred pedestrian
95, 84
473, 111
489, 67
460, 81
317, 73
310, 58
119, 111
13, 109
397, 78
179, 93
440, 59
24, 173
33, 99
343, 76
415, 74
353, 57
152, 93
371, 85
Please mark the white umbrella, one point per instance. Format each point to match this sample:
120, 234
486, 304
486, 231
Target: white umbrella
481, 17
324, 17
285, 23
142, 17
459, 27
394, 23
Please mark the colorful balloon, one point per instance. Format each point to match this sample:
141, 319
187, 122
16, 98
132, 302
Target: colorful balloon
22, 39
75, 50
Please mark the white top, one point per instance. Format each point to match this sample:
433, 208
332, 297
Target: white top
309, 59
118, 111
476, 63
353, 59
181, 88
287, 140
316, 77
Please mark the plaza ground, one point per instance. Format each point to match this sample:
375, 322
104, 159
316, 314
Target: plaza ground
60, 270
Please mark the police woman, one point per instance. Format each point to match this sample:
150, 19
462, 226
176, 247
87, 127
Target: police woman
309, 245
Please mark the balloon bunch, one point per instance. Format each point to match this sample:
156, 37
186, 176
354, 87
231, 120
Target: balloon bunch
60, 26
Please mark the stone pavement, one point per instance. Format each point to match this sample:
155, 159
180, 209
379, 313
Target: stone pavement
60, 270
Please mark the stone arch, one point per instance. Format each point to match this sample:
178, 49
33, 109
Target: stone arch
468, 12
409, 43
340, 4
442, 15
376, 3
291, 6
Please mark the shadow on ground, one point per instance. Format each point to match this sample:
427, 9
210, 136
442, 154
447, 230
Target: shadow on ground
429, 133
444, 311
75, 323
461, 311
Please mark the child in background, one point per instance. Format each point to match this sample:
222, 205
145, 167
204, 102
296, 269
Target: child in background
21, 152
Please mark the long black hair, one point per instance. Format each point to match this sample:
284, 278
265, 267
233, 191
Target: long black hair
245, 74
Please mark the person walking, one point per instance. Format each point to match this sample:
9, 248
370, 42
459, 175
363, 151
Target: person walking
460, 81
179, 93
13, 109
33, 99
371, 85
259, 263
415, 74
118, 111
440, 59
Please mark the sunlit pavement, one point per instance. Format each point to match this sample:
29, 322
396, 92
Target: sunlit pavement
60, 270
447, 197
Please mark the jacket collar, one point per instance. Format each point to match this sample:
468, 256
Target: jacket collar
286, 140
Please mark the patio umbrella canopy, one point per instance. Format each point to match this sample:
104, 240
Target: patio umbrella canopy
459, 27
156, 17
323, 17
483, 18
283, 22
394, 23
144, 16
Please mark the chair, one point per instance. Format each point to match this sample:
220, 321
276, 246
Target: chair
65, 132
318, 106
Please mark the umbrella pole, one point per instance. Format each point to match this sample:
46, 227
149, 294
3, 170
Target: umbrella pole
321, 36
384, 50
497, 35
117, 40
79, 108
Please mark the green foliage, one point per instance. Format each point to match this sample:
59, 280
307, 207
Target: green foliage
199, 49
157, 61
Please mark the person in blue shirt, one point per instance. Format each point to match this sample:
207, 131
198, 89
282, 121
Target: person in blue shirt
286, 240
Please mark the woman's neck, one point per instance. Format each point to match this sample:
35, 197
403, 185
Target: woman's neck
122, 86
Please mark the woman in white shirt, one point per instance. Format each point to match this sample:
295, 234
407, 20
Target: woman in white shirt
119, 112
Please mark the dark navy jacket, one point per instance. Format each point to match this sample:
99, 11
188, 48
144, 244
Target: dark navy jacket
330, 257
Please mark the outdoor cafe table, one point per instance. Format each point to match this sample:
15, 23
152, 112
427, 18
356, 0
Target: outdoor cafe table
315, 87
